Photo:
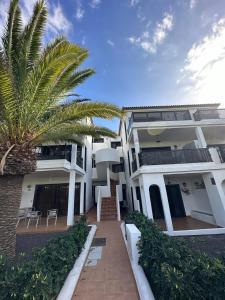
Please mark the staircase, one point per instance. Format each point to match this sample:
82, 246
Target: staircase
108, 209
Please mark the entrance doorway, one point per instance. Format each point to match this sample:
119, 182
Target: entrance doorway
156, 202
175, 201
50, 196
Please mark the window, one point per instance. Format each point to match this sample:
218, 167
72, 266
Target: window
168, 116
140, 117
154, 116
114, 145
98, 140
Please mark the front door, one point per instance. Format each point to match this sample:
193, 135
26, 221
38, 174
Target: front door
156, 202
175, 201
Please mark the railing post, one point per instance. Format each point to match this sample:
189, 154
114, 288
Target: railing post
118, 202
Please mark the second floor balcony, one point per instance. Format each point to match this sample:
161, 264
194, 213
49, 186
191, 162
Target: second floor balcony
182, 156
209, 114
54, 152
157, 116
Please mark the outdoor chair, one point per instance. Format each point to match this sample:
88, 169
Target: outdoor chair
52, 214
22, 215
33, 216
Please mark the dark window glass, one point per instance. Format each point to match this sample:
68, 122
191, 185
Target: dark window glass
154, 116
98, 140
115, 144
168, 116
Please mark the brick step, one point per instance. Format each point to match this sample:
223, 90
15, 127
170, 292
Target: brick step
109, 217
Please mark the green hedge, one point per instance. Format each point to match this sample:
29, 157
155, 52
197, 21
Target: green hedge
43, 276
173, 270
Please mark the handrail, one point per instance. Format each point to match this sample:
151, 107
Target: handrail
118, 202
99, 205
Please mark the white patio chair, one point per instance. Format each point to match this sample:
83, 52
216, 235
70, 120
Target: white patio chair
22, 215
52, 214
33, 216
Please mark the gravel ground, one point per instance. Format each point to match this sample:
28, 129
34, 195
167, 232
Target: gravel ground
26, 242
213, 245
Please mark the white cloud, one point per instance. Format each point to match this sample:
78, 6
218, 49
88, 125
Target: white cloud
202, 76
150, 43
79, 14
56, 23
111, 43
95, 3
134, 2
192, 4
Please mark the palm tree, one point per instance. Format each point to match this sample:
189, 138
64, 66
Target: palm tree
33, 82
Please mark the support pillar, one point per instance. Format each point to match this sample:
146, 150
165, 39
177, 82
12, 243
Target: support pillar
82, 197
146, 186
201, 137
136, 146
166, 208
71, 198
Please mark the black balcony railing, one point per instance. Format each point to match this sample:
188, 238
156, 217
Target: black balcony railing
207, 114
134, 165
174, 157
155, 116
54, 152
80, 161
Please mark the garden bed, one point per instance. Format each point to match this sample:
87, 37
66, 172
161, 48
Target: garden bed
43, 276
173, 269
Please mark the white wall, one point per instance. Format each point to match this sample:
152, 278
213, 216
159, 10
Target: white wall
216, 195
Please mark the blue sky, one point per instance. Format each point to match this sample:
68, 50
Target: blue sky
145, 52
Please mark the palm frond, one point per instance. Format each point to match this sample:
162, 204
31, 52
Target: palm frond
32, 34
12, 31
71, 132
78, 111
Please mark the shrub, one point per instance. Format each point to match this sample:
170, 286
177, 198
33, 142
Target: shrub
44, 275
173, 270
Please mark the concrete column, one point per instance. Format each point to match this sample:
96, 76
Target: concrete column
71, 198
216, 195
136, 146
82, 197
146, 185
215, 155
201, 137
73, 156
166, 208
143, 200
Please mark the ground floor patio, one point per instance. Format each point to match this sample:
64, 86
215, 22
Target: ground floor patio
185, 223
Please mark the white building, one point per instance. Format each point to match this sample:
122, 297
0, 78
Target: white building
168, 162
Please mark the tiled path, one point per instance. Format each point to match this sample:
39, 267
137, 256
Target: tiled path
112, 277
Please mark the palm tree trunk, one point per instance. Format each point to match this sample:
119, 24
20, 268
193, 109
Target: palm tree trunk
10, 198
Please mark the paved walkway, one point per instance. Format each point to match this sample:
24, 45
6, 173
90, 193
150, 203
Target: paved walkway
112, 277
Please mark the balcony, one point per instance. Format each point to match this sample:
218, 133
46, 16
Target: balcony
54, 152
183, 156
209, 114
157, 116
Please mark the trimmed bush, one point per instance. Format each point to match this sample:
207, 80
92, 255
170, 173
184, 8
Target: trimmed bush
173, 270
43, 276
